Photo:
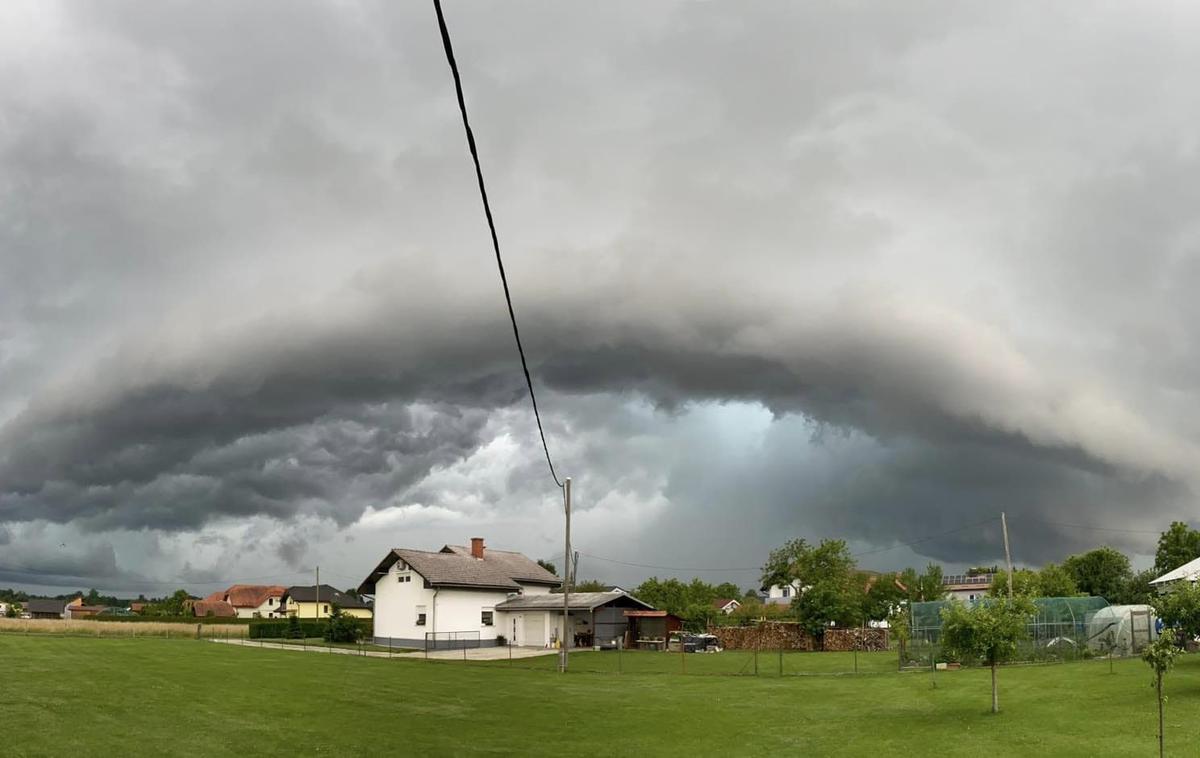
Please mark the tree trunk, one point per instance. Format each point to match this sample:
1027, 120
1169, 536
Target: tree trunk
1158, 683
995, 692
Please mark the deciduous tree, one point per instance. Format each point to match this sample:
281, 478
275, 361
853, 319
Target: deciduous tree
1103, 572
1176, 546
987, 631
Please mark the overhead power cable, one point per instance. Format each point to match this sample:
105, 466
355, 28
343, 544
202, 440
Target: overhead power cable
487, 211
1093, 528
928, 538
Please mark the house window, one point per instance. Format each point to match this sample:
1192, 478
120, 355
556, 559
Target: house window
787, 591
486, 618
326, 609
420, 615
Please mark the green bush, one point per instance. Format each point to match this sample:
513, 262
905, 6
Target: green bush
342, 628
285, 628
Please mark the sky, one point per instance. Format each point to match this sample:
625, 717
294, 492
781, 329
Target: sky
866, 271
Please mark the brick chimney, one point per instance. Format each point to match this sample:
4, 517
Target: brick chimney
477, 548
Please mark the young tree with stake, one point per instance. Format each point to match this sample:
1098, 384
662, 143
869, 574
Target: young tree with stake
1160, 656
987, 631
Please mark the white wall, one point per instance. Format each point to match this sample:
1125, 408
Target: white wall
446, 610
268, 607
775, 593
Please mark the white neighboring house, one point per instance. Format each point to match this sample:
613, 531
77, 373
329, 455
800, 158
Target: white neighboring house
967, 589
782, 595
450, 596
726, 606
252, 600
1188, 572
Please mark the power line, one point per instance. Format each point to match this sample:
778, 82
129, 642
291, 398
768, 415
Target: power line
1094, 528
927, 539
32, 572
487, 210
665, 568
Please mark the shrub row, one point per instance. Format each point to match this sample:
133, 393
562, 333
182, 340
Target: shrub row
277, 629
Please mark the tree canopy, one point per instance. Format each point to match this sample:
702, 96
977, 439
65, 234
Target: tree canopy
1102, 572
987, 632
1176, 546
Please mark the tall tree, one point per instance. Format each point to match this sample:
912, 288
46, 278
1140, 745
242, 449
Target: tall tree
1055, 581
548, 566
1180, 609
832, 591
1025, 583
986, 631
1176, 546
1103, 572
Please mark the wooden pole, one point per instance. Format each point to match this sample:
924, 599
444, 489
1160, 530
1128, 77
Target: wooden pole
566, 576
1007, 554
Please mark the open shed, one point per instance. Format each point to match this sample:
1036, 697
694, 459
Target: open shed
650, 629
597, 618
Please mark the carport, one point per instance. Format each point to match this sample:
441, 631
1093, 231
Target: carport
596, 618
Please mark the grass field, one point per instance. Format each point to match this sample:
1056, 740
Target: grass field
148, 696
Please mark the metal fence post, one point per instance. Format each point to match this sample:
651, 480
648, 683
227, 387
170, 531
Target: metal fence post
620, 645
781, 659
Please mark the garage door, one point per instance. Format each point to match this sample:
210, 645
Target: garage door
535, 630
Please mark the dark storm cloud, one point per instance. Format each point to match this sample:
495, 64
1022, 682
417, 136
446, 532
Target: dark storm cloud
244, 273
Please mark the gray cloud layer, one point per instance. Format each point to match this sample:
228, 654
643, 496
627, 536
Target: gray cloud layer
244, 273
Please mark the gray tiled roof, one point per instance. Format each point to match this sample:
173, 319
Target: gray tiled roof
454, 566
329, 594
578, 601
516, 565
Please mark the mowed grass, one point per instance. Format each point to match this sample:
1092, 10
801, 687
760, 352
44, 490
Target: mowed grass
62, 696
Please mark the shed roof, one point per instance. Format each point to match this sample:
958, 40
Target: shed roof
578, 601
202, 608
1187, 572
45, 605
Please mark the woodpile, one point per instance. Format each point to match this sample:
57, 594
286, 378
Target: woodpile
869, 640
768, 635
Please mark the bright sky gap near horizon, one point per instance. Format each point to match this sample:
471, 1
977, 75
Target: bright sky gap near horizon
871, 273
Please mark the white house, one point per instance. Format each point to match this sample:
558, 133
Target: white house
449, 597
726, 605
467, 596
967, 588
782, 595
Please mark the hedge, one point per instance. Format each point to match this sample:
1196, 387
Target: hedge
277, 629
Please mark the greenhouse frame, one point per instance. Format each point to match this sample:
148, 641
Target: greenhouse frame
1063, 628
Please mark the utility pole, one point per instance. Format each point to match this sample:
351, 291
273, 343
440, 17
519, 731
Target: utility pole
566, 576
1007, 554
317, 604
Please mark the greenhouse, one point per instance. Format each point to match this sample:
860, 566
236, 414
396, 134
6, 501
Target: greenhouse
1062, 627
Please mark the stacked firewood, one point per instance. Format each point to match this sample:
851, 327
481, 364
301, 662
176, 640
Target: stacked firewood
869, 640
769, 635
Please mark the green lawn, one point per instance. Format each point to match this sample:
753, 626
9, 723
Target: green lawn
63, 696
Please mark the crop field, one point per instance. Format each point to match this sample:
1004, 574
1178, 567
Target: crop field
64, 695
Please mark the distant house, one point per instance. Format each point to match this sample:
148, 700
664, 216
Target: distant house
781, 595
253, 600
206, 607
47, 608
82, 611
137, 607
726, 605
452, 596
309, 603
966, 588
1188, 572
